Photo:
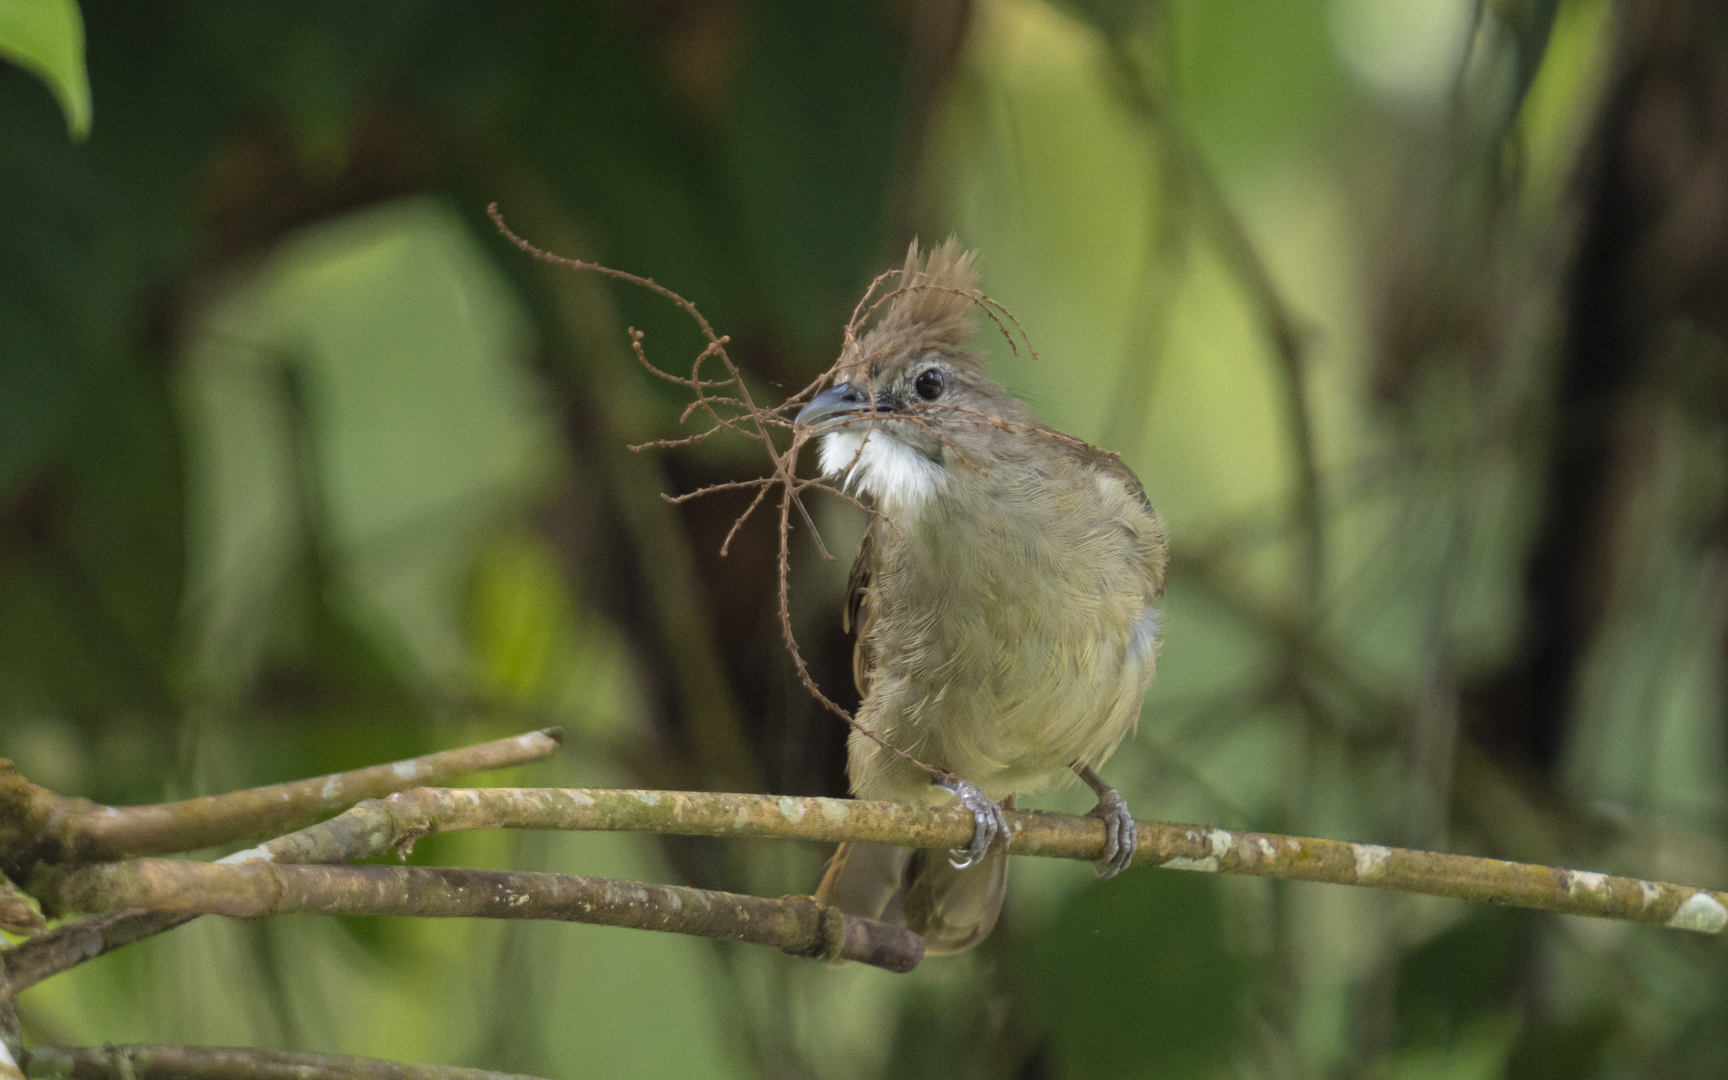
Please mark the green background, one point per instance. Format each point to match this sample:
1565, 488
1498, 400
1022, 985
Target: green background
1410, 315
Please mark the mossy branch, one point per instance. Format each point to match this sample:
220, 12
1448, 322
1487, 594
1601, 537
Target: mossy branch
140, 898
403, 818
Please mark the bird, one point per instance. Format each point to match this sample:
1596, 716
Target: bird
1003, 602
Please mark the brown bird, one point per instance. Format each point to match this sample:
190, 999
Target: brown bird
1002, 599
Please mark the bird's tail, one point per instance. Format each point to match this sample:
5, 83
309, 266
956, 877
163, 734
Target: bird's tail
920, 890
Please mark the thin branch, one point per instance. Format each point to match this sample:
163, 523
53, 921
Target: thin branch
403, 818
795, 924
150, 1061
72, 830
81, 940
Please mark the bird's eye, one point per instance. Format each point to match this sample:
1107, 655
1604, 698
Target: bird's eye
929, 385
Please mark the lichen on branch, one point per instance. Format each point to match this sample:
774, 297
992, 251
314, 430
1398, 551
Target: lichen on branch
402, 818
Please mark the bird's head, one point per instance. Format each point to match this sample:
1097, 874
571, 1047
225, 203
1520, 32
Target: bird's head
910, 402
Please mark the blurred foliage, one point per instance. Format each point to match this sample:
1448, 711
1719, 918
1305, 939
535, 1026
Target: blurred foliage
1410, 314
1125, 996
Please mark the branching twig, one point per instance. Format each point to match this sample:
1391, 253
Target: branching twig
795, 924
405, 817
149, 1061
65, 947
54, 828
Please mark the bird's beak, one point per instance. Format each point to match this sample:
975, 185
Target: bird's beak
832, 402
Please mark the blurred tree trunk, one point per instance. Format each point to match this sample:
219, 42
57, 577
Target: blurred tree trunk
1652, 263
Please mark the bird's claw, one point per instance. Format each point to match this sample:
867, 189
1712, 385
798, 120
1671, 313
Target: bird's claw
1120, 834
991, 822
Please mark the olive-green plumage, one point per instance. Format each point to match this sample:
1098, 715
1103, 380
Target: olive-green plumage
1002, 598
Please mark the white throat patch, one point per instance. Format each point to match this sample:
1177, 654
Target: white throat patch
897, 477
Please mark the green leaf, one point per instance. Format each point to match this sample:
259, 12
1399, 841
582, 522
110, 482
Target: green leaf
46, 38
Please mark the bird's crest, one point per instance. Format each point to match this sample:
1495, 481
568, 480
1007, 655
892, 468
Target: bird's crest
932, 306
936, 295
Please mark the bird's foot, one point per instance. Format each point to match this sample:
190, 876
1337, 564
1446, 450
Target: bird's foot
991, 822
1120, 833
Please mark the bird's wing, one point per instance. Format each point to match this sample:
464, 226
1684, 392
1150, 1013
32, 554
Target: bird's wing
1106, 461
1150, 532
856, 618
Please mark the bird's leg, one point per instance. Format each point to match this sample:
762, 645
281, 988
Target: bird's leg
991, 821
1120, 832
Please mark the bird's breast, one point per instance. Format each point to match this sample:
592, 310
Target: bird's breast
900, 479
1012, 632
